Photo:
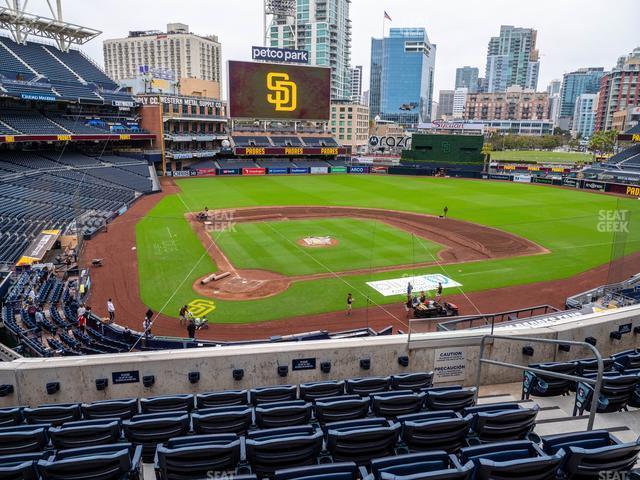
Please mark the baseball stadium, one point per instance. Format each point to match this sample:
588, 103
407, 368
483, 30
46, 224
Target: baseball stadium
197, 288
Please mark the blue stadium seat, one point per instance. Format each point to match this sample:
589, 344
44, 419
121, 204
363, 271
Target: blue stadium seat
86, 433
450, 398
399, 402
367, 385
615, 394
150, 429
436, 465
283, 414
499, 422
278, 393
227, 398
545, 386
19, 471
310, 392
520, 459
113, 462
360, 441
587, 454
194, 457
167, 403
11, 416
23, 439
279, 448
337, 409
439, 430
237, 419
54, 414
412, 381
123, 409
590, 365
332, 471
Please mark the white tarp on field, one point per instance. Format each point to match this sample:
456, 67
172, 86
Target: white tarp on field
398, 286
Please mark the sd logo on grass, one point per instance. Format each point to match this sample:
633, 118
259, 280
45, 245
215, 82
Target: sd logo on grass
201, 307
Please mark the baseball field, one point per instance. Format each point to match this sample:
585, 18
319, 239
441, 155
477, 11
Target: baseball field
497, 234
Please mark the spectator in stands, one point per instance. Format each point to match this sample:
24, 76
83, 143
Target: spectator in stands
146, 325
39, 317
349, 304
81, 310
183, 315
191, 329
423, 297
31, 311
126, 335
111, 309
149, 314
82, 322
32, 295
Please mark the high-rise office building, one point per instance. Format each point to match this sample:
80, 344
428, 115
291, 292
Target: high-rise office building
574, 84
356, 84
619, 90
459, 102
445, 104
467, 77
402, 74
176, 55
584, 115
323, 30
554, 87
512, 59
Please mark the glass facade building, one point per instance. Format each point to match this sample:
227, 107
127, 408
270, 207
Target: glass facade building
574, 84
512, 59
402, 73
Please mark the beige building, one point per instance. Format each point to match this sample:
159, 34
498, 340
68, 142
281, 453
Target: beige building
514, 104
386, 129
175, 55
350, 124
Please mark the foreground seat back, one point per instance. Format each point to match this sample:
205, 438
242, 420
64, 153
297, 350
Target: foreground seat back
85, 434
310, 392
433, 465
589, 453
279, 393
442, 430
367, 385
502, 422
450, 399
236, 419
277, 449
20, 471
149, 430
109, 466
616, 392
331, 471
198, 455
121, 409
412, 381
23, 439
53, 414
10, 417
350, 442
337, 410
227, 398
286, 414
540, 385
393, 404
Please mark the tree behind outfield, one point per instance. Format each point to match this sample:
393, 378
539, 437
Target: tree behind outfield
603, 142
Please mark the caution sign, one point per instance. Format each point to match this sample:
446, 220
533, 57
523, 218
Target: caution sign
449, 365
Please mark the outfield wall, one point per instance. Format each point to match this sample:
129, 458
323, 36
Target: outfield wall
77, 375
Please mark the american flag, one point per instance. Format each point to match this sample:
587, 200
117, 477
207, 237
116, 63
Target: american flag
387, 17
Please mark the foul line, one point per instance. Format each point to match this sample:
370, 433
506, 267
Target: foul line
353, 287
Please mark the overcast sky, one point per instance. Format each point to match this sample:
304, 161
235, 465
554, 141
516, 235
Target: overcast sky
571, 33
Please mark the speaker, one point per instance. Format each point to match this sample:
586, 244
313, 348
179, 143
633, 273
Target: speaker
5, 390
636, 330
325, 367
403, 361
564, 347
102, 383
615, 335
365, 363
238, 374
148, 380
283, 370
591, 341
528, 351
53, 387
194, 377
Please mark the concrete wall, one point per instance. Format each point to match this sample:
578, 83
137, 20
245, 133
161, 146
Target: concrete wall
77, 375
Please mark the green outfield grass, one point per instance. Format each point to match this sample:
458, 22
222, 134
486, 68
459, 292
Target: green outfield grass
540, 156
361, 244
564, 221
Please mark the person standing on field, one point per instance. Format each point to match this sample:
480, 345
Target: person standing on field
349, 304
111, 309
191, 329
445, 212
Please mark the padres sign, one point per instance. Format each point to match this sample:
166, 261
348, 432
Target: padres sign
272, 91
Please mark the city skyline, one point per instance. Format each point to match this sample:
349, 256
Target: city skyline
564, 46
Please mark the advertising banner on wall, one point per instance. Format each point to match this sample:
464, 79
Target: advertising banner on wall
299, 170
591, 185
338, 169
318, 170
206, 172
629, 190
571, 182
449, 365
522, 178
358, 169
228, 171
277, 170
496, 176
254, 171
380, 170
399, 286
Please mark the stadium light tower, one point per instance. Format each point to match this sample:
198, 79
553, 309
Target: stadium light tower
15, 18
281, 12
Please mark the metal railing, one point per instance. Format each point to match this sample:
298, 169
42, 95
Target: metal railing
597, 383
478, 321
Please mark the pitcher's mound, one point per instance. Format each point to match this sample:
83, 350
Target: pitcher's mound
318, 242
